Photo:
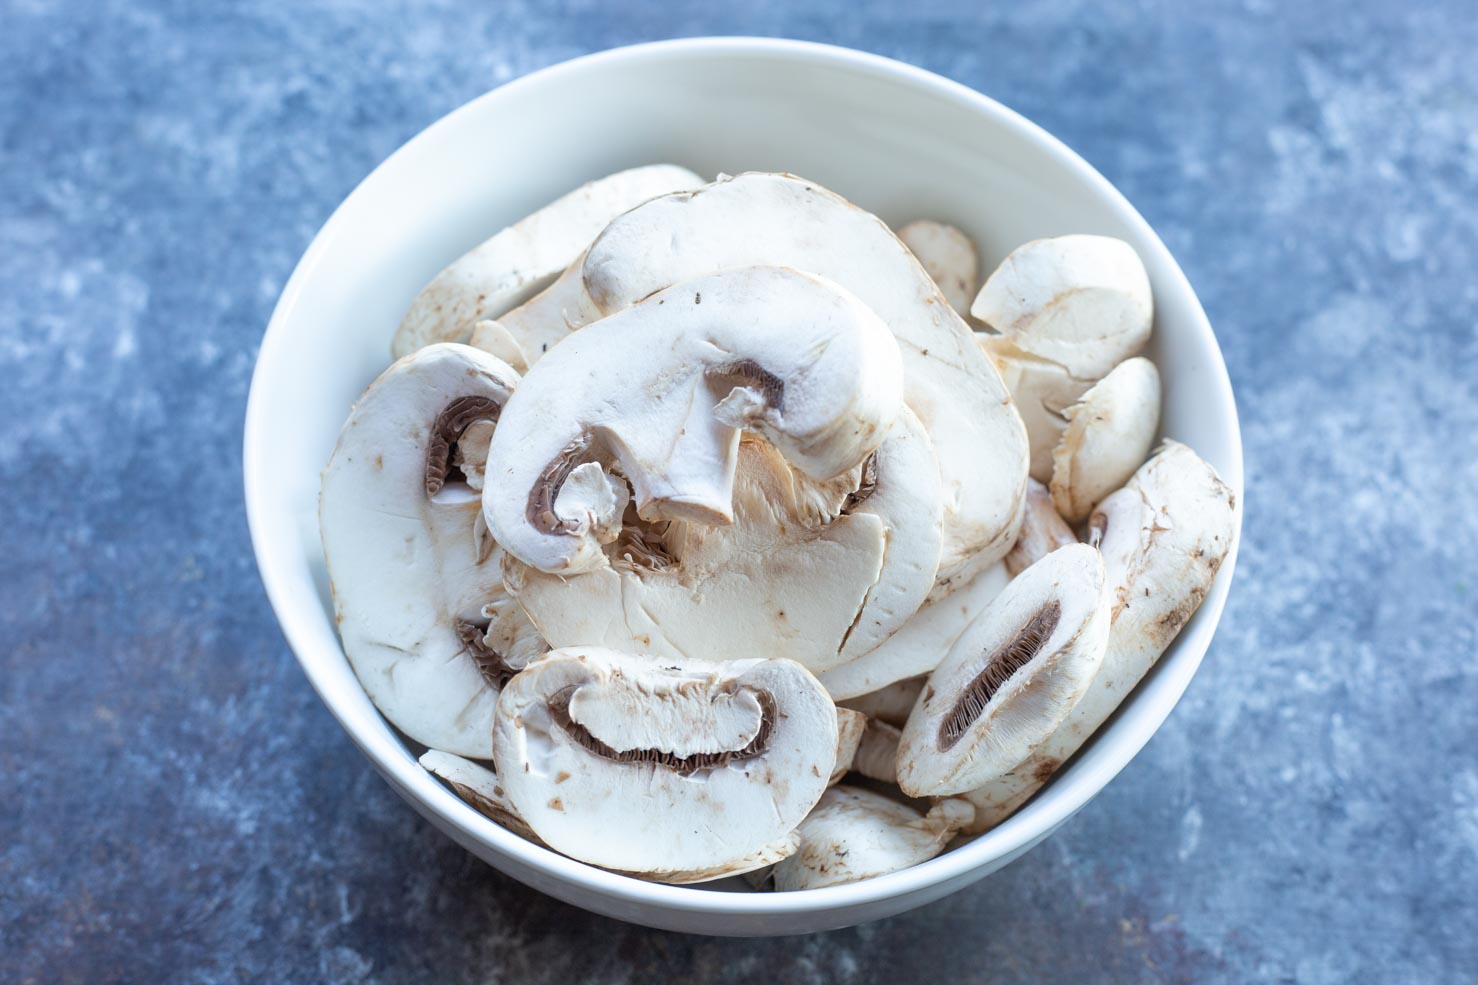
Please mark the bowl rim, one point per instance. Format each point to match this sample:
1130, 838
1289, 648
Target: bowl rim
1073, 786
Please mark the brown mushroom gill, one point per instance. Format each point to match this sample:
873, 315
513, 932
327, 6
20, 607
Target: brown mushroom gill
755, 375
540, 511
1009, 658
559, 711
866, 486
490, 663
451, 424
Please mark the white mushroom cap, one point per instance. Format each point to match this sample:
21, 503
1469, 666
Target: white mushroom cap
782, 219
850, 726
479, 787
663, 766
1163, 537
921, 643
521, 259
662, 388
1010, 679
1042, 392
1082, 302
856, 834
1042, 530
410, 565
789, 572
949, 258
1108, 435
894, 702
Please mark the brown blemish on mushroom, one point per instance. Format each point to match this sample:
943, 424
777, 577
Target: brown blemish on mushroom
1045, 769
559, 711
450, 425
1008, 658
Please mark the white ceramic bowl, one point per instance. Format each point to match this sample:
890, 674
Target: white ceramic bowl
894, 139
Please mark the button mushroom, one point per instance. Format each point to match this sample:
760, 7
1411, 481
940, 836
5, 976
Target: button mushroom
671, 769
479, 787
781, 219
1109, 432
855, 834
1163, 537
411, 566
1082, 302
522, 259
918, 646
1042, 530
1011, 678
947, 256
660, 390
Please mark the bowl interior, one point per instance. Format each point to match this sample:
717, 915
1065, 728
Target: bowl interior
895, 140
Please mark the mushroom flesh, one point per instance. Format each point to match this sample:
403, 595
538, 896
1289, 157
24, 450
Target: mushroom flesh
478, 786
892, 703
1109, 432
1011, 678
1042, 530
948, 257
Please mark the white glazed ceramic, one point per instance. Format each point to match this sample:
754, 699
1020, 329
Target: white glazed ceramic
894, 139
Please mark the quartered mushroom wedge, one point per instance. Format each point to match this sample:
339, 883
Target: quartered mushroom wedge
920, 644
675, 770
410, 563
1109, 432
522, 259
479, 787
855, 834
1082, 302
661, 390
948, 257
1011, 679
1163, 537
781, 219
1043, 530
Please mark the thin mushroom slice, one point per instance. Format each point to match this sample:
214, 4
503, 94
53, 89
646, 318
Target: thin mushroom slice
663, 767
1042, 530
479, 787
850, 727
948, 257
1042, 392
1109, 433
855, 834
661, 390
893, 703
1011, 678
1082, 302
759, 862
490, 336
782, 219
523, 258
1163, 537
793, 570
920, 644
877, 754
409, 561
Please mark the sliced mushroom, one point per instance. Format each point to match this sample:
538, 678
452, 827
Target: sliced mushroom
491, 336
411, 566
947, 256
479, 787
522, 259
894, 703
1011, 678
1042, 530
1082, 302
789, 571
877, 754
661, 390
781, 219
1109, 433
676, 768
921, 643
855, 834
1163, 537
850, 726
1042, 392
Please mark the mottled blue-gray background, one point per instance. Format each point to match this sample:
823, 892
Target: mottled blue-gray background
175, 805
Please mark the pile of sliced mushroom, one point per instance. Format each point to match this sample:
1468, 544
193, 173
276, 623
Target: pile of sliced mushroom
730, 545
